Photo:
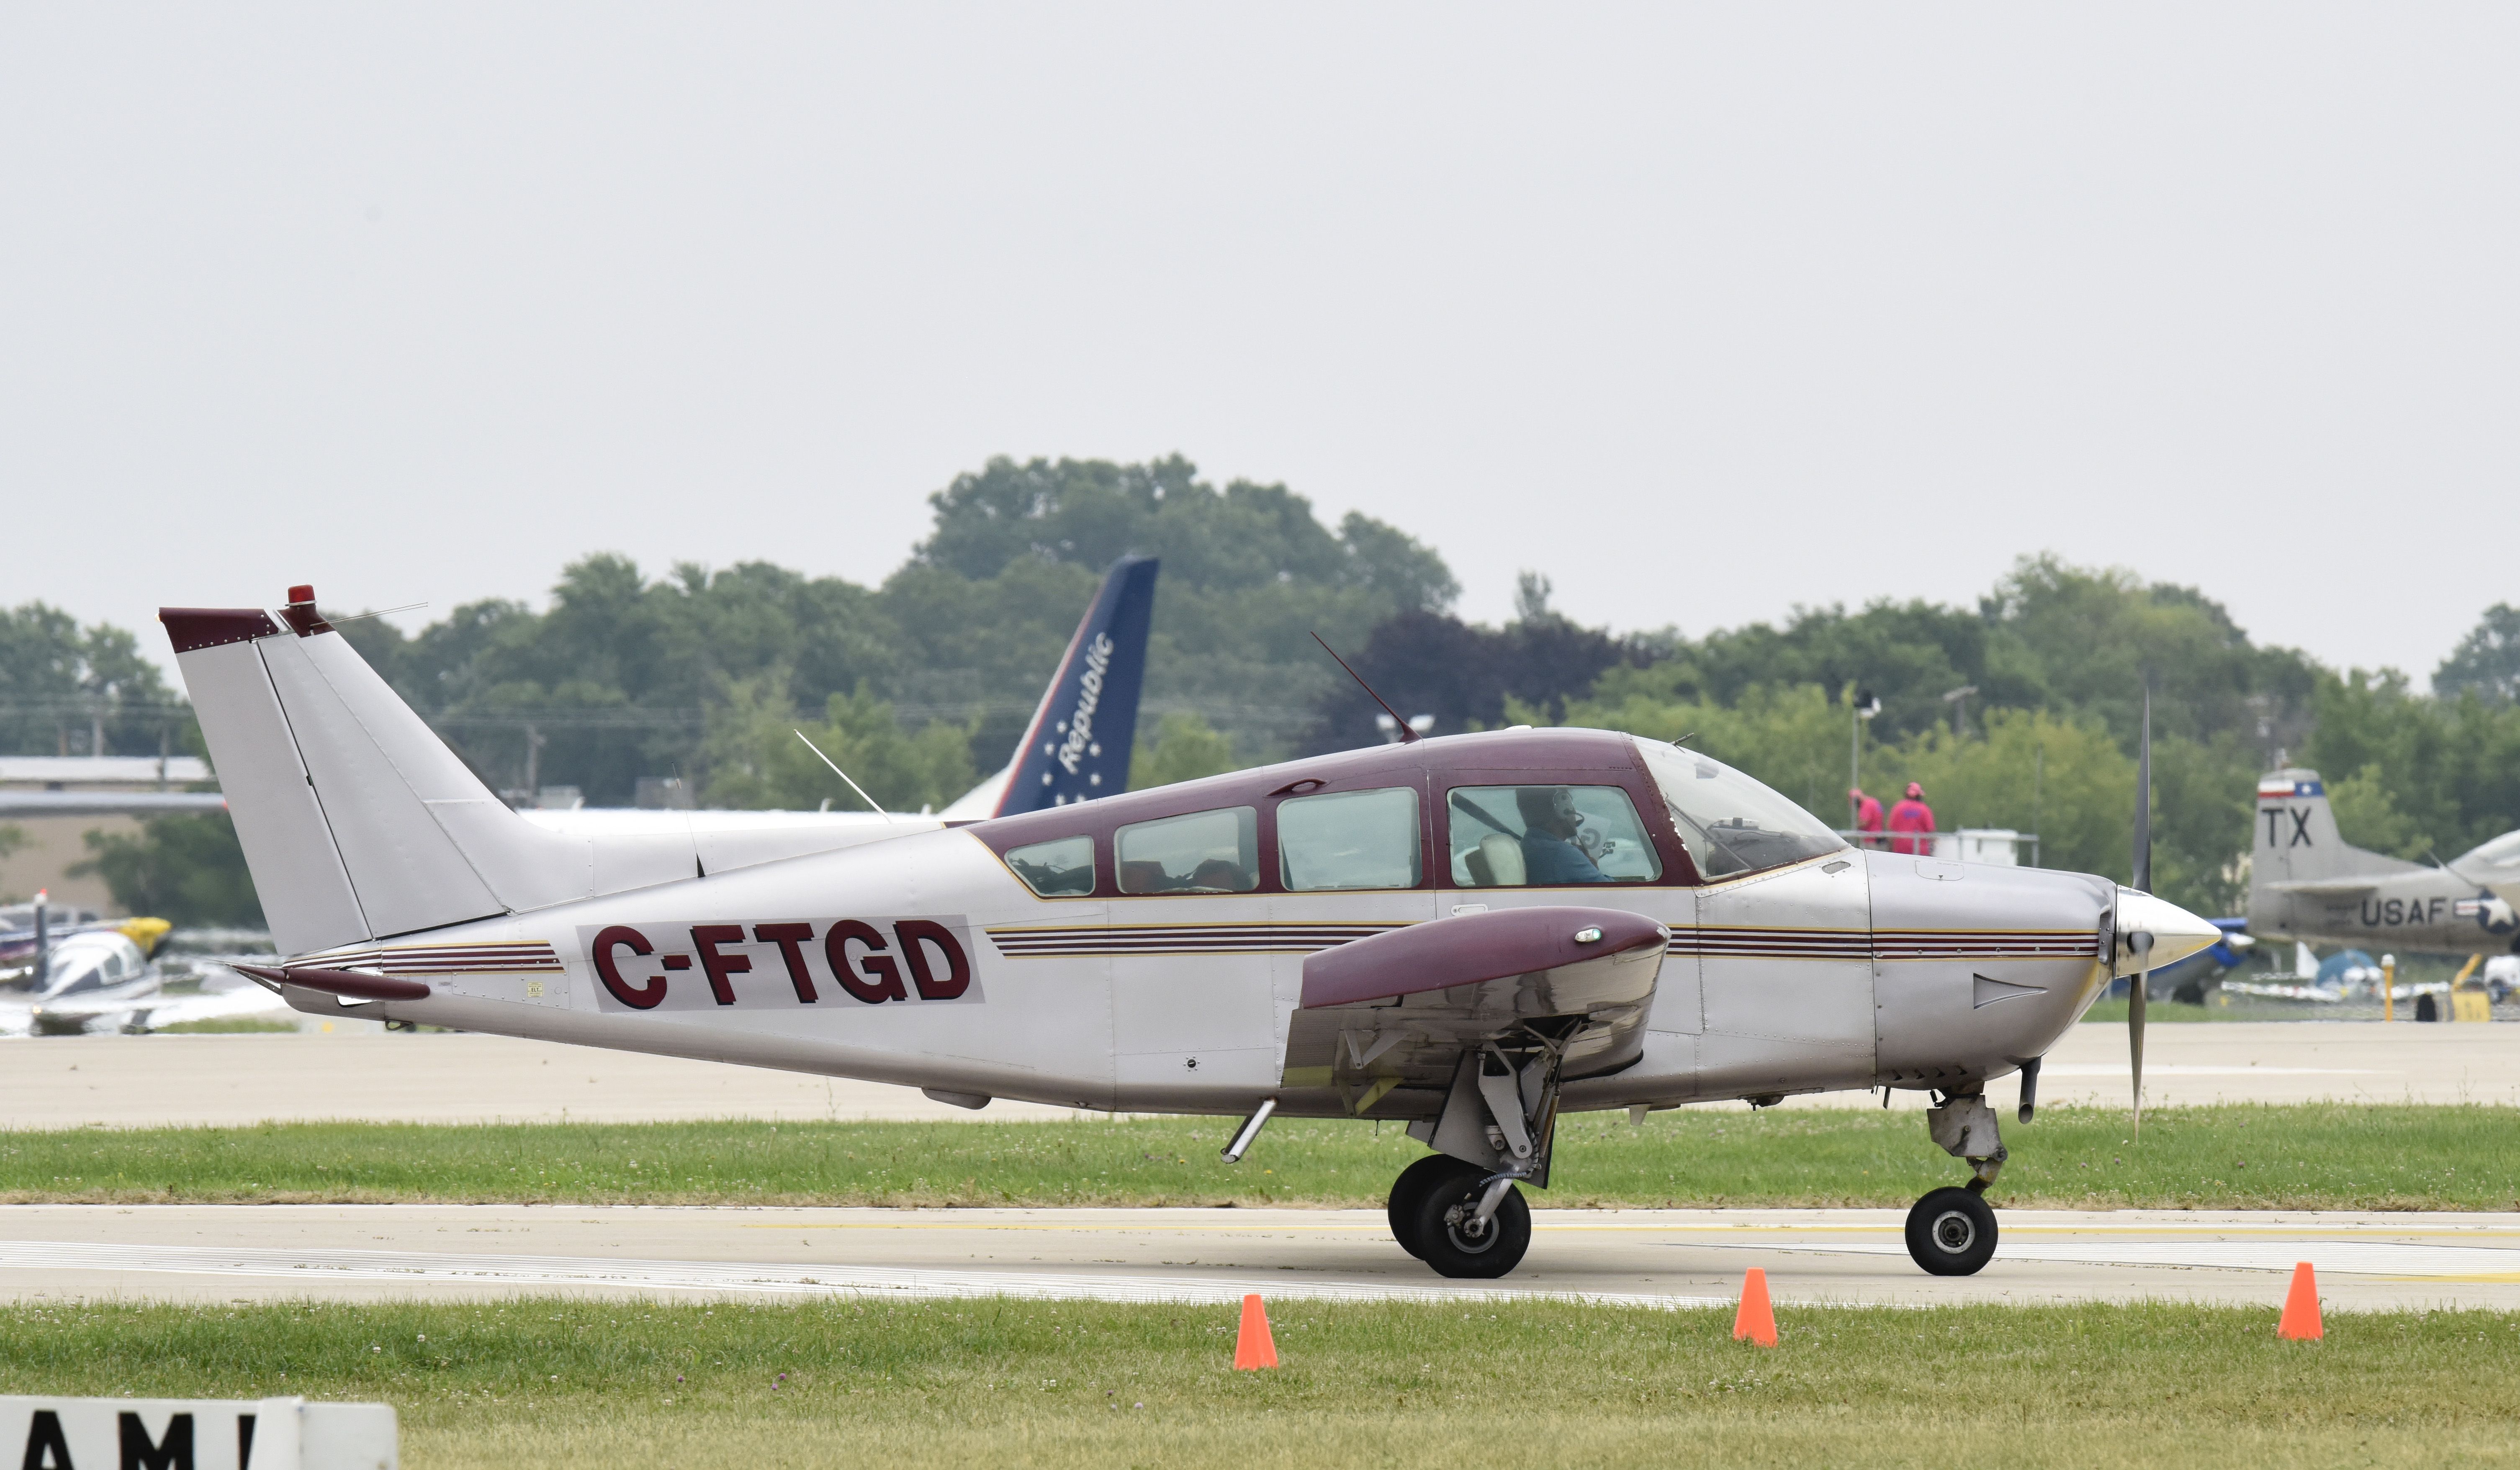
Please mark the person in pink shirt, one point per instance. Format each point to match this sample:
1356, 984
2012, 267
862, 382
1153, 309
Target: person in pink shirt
1867, 817
1911, 823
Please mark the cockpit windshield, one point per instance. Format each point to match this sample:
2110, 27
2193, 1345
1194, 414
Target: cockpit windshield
90, 961
1731, 824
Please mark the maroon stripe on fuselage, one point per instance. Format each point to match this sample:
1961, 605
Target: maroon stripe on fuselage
1729, 943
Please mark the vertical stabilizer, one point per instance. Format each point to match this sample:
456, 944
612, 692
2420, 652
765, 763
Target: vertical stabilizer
2297, 841
1077, 747
357, 821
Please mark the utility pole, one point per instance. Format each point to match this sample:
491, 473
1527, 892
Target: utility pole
535, 739
2037, 778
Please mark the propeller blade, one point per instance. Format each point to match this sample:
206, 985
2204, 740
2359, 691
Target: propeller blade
2134, 1046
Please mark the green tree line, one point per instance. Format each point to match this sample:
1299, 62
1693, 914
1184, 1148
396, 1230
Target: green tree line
921, 684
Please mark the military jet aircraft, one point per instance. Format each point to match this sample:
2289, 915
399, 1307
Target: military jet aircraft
2305, 882
1468, 935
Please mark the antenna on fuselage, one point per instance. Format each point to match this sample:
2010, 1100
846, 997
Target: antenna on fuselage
1407, 731
844, 775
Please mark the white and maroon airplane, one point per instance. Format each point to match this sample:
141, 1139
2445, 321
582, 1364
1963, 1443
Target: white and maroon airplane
1467, 934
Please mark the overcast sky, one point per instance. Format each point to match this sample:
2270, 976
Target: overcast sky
1704, 312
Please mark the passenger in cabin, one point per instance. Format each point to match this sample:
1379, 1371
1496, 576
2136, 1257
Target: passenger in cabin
1217, 876
1549, 821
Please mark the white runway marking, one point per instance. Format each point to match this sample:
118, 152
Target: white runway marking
318, 1268
2117, 1072
2400, 1259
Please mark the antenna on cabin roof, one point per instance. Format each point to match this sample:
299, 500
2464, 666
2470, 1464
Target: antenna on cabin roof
844, 775
1406, 731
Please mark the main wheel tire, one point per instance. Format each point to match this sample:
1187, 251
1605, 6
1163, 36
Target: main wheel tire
1409, 1192
1482, 1255
1951, 1232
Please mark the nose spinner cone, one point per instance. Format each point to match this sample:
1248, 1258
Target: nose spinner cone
2176, 933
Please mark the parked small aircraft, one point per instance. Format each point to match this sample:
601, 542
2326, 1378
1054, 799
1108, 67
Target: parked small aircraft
107, 978
2305, 882
1467, 934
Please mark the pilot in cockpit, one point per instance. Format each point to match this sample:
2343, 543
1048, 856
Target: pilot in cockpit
1550, 856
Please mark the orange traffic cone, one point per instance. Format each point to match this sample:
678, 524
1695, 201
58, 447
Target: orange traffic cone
1756, 1320
2301, 1307
1253, 1348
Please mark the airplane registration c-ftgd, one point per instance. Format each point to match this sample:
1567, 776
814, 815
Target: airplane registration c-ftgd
1468, 934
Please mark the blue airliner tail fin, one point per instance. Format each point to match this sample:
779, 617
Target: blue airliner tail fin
1078, 745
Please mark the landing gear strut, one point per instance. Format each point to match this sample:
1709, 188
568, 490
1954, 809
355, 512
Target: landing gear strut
1951, 1232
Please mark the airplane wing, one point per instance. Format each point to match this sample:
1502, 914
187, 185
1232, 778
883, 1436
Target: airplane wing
1400, 1008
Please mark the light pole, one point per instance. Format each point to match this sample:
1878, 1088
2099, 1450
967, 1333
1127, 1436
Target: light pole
1958, 700
1866, 705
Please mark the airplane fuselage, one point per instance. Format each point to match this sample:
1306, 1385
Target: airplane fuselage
930, 960
2430, 909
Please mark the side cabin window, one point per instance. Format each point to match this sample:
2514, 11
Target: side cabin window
1204, 852
1349, 840
1063, 868
1547, 836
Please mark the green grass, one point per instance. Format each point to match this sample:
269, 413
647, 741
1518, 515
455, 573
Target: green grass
567, 1383
226, 1026
2312, 1156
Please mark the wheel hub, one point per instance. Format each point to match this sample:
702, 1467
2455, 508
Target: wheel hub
1955, 1231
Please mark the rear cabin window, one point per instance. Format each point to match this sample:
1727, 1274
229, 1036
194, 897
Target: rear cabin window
1204, 852
1349, 840
1063, 868
1547, 836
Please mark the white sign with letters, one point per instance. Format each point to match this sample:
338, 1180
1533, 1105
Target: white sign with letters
196, 1434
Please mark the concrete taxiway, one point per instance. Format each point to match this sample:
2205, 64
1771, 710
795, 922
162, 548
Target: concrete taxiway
1661, 1256
144, 1081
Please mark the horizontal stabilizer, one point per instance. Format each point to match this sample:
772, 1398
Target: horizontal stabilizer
2330, 888
356, 984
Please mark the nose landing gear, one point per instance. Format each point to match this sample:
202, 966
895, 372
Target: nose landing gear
1951, 1232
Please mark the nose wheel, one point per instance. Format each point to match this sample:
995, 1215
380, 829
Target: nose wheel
1951, 1232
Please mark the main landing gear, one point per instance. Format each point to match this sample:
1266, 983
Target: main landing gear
1441, 1214
1461, 1210
1951, 1232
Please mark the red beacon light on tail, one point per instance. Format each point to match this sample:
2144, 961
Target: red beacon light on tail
300, 611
